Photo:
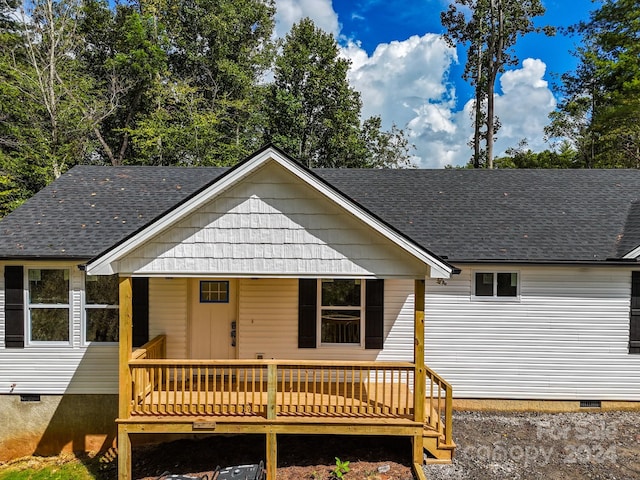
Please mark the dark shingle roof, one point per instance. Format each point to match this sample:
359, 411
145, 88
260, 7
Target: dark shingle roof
465, 215
505, 215
90, 208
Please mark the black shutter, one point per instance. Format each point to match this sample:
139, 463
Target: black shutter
140, 310
307, 311
374, 315
634, 323
14, 306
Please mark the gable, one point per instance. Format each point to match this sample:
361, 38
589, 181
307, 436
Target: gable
271, 224
292, 201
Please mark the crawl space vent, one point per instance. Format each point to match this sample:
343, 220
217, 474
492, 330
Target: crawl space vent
29, 398
590, 404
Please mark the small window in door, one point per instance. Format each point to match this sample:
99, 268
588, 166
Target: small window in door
214, 291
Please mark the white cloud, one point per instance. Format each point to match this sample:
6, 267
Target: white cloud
524, 106
321, 12
407, 82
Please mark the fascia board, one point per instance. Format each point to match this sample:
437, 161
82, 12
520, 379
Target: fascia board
633, 253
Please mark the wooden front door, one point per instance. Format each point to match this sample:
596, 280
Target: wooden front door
213, 318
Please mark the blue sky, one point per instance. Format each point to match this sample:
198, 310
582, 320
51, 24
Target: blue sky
408, 75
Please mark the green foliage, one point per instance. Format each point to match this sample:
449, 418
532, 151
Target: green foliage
220, 50
44, 100
523, 157
342, 468
311, 110
600, 108
313, 113
168, 82
67, 471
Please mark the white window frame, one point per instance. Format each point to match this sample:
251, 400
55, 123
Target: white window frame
28, 306
89, 306
321, 307
495, 297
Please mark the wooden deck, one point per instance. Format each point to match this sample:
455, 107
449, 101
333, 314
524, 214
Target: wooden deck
286, 396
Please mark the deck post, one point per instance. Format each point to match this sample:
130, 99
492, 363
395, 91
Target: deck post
272, 456
272, 380
418, 353
418, 449
125, 387
124, 454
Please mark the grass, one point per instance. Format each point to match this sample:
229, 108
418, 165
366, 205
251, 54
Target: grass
63, 467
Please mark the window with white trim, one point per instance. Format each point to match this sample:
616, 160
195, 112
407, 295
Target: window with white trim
341, 311
101, 308
48, 305
496, 285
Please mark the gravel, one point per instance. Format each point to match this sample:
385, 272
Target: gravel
567, 446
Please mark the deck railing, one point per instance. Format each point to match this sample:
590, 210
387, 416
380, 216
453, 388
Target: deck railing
143, 385
272, 388
283, 388
439, 404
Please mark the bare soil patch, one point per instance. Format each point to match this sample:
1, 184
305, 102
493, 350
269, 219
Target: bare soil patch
299, 457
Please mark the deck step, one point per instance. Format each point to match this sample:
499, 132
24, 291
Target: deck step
434, 444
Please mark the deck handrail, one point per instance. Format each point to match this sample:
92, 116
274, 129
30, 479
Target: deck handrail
266, 362
272, 388
440, 395
153, 349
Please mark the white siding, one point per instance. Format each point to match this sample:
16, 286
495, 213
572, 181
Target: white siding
271, 224
268, 323
76, 368
566, 338
168, 310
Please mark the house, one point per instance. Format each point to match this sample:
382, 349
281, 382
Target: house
269, 298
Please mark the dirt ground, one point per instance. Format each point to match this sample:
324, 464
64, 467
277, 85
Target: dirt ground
299, 457
491, 446
533, 446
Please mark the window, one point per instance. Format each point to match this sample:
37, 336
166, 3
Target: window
214, 291
496, 284
101, 308
341, 311
321, 320
48, 309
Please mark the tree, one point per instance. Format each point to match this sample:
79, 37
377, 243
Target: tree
491, 29
599, 112
524, 157
217, 53
125, 53
313, 112
385, 149
49, 100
